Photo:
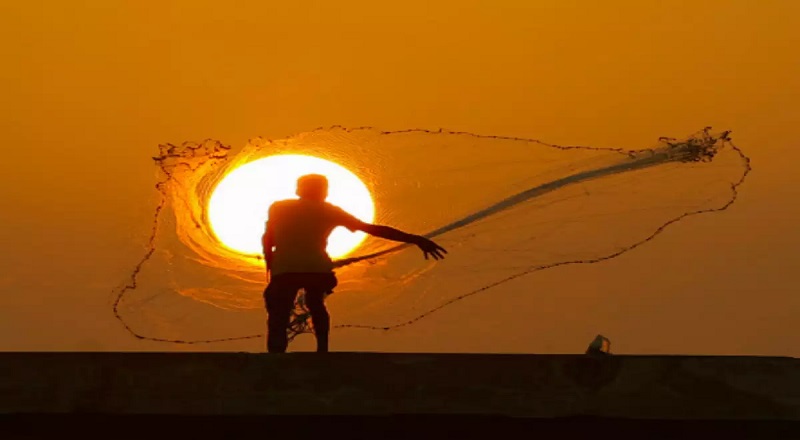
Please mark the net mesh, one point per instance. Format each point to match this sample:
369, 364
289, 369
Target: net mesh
503, 207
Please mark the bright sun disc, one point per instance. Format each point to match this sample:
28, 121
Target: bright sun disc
237, 209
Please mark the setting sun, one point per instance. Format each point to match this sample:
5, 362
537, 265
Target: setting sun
237, 209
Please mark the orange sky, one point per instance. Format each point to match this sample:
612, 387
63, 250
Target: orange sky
91, 89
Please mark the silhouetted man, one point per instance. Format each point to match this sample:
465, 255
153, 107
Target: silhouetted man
294, 249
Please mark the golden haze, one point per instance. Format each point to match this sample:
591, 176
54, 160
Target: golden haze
91, 88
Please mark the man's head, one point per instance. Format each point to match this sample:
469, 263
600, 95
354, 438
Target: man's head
313, 187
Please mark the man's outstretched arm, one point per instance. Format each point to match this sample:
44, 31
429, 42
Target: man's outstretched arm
428, 247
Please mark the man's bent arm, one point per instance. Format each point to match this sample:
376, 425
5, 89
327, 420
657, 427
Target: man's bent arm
267, 244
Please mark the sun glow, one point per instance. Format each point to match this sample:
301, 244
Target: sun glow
237, 209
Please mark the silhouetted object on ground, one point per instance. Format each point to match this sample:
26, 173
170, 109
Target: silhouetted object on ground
294, 244
600, 346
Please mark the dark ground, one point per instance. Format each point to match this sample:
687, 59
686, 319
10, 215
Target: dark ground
372, 395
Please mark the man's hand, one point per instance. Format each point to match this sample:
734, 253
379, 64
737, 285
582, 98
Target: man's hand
429, 248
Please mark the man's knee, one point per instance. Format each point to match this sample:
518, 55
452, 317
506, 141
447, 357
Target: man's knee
315, 301
316, 291
276, 303
279, 304
279, 294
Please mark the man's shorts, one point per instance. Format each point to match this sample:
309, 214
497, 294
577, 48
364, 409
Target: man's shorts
323, 282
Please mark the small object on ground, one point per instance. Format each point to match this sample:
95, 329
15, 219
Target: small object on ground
601, 345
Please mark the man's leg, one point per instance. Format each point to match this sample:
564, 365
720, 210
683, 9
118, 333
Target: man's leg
279, 298
317, 288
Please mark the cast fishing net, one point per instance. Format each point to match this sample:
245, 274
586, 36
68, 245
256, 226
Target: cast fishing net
503, 207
